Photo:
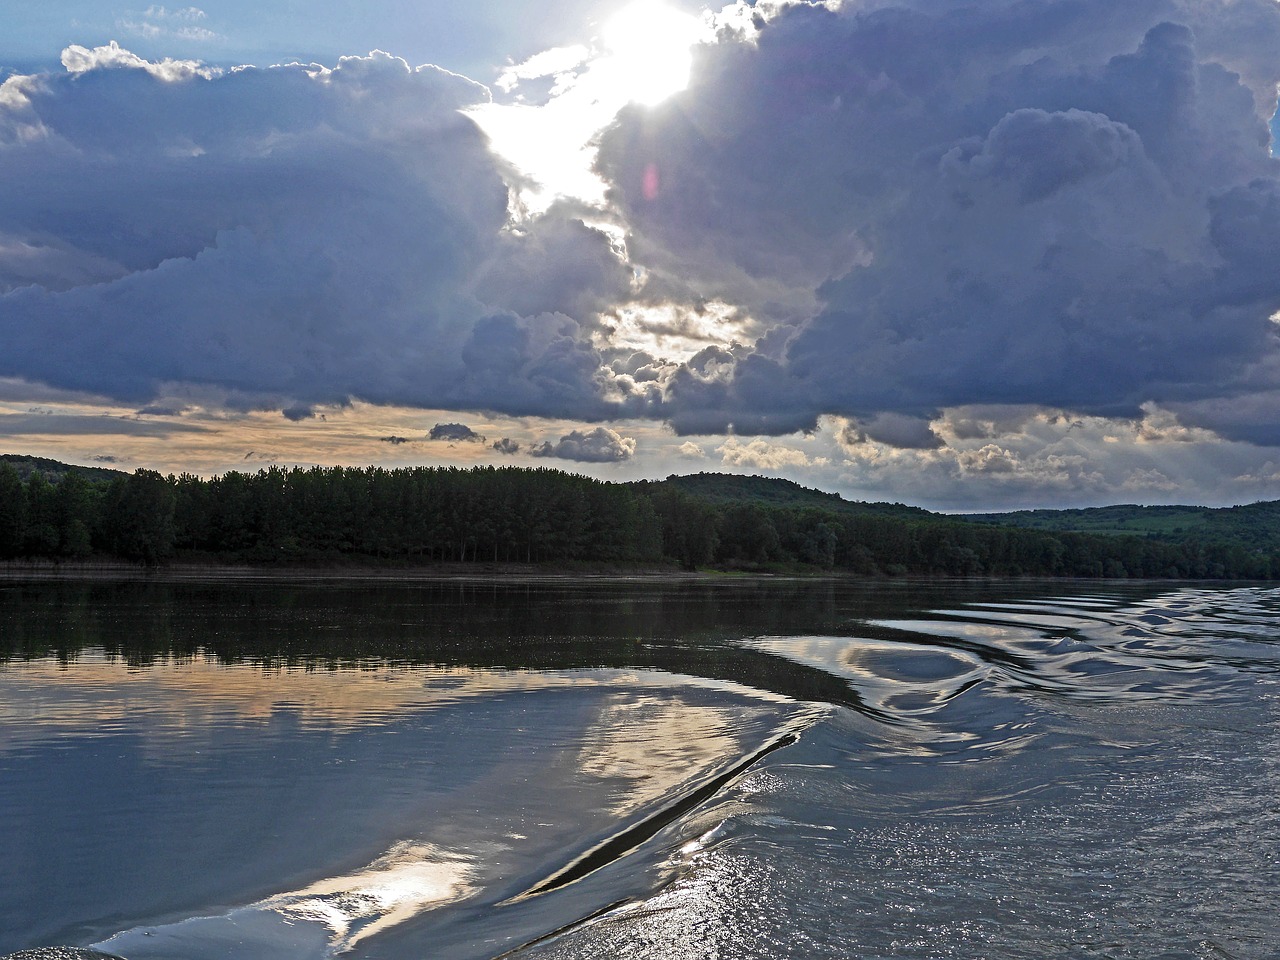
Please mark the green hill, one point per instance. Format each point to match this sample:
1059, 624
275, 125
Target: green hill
54, 469
427, 515
724, 488
1254, 525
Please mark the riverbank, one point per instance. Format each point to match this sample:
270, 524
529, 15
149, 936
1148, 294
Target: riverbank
180, 570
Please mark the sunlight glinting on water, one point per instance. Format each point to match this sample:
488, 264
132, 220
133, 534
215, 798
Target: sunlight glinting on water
408, 879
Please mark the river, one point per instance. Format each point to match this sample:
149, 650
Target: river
276, 769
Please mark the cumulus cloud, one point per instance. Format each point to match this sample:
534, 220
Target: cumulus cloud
506, 446
1040, 457
987, 235
760, 454
454, 433
1015, 203
600, 445
79, 60
300, 235
1149, 479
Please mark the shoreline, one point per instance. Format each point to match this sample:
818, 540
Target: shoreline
180, 571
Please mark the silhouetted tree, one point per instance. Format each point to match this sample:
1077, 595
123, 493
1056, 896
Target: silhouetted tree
13, 513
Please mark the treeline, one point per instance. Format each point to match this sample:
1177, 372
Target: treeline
752, 536
501, 515
544, 516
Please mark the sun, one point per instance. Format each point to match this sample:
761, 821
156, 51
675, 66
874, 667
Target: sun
648, 51
642, 54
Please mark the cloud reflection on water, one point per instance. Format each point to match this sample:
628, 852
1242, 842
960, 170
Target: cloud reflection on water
495, 779
184, 697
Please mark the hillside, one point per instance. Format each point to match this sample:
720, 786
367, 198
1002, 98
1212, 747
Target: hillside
724, 488
1256, 524
418, 516
54, 469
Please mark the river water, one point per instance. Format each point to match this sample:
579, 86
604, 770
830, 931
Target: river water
289, 770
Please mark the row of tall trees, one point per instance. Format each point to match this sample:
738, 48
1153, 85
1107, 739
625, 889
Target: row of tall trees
514, 515
496, 514
417, 515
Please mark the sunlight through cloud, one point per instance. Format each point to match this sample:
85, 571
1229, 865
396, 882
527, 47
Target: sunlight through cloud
650, 51
643, 55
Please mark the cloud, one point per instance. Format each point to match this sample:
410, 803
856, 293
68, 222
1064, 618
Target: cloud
161, 23
691, 451
894, 430
162, 410
80, 60
1006, 244
50, 423
600, 445
762, 455
298, 413
1005, 204
548, 63
394, 440
1037, 457
1148, 480
454, 433
294, 236
990, 458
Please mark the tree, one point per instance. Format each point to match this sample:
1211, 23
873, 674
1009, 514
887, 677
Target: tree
75, 503
141, 517
42, 517
13, 513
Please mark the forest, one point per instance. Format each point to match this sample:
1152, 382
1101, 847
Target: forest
544, 517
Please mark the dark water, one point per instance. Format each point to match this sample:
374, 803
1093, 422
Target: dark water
636, 769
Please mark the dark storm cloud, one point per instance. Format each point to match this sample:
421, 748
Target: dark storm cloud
454, 433
895, 430
1060, 202
293, 236
298, 413
506, 446
600, 445
927, 204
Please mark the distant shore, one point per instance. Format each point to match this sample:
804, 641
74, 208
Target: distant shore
180, 570
195, 570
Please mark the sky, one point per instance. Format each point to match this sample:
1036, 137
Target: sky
967, 255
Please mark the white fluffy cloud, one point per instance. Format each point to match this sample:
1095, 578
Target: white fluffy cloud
760, 454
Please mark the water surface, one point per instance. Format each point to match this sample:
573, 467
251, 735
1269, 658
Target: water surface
764, 768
